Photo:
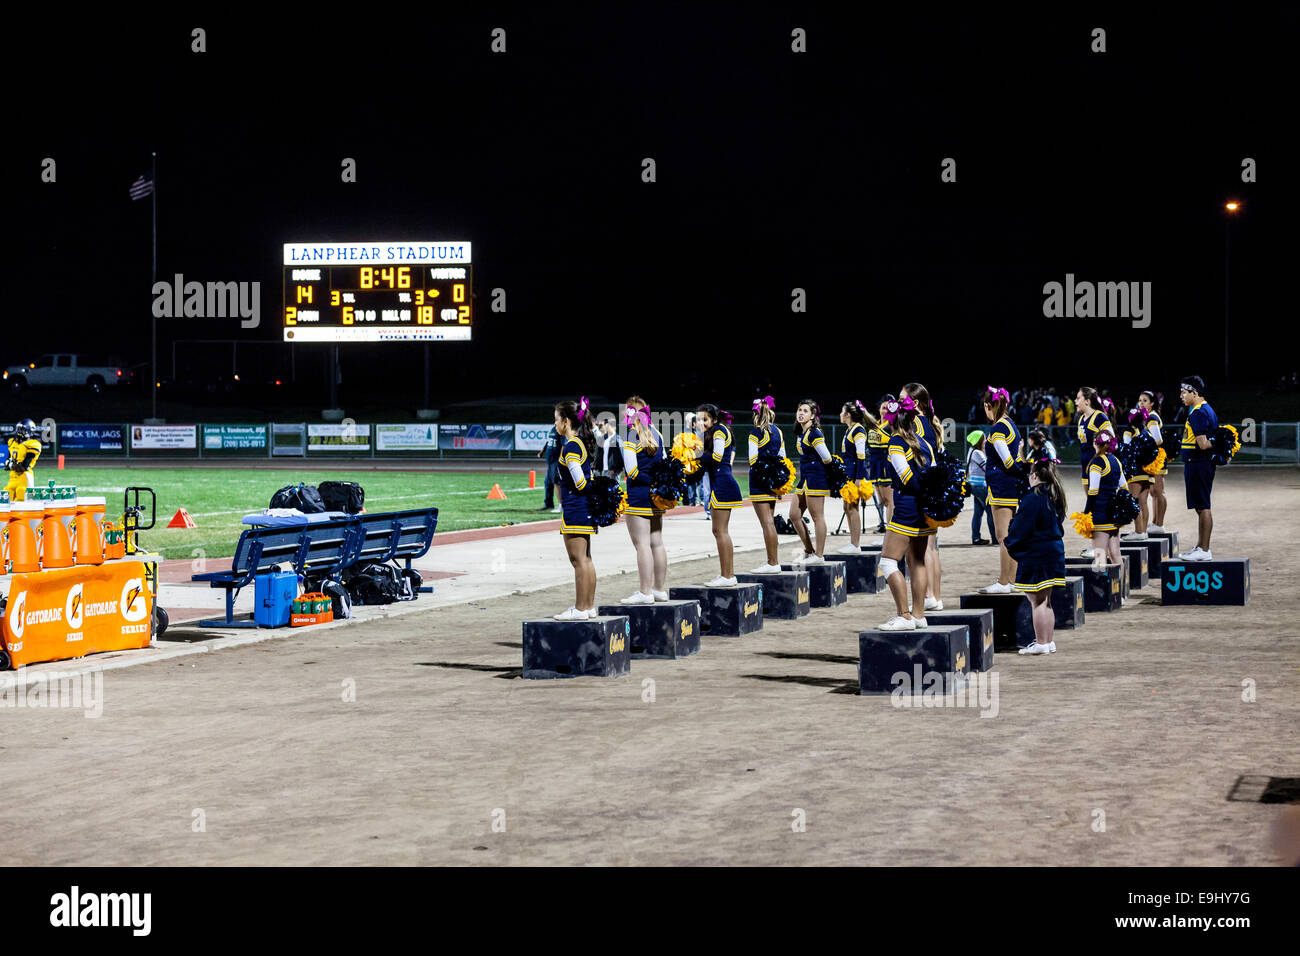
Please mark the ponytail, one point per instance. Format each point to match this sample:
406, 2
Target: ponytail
639, 413
578, 415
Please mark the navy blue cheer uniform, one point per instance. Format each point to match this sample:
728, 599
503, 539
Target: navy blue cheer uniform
812, 473
766, 442
1111, 474
1131, 432
1034, 540
726, 493
908, 518
574, 518
855, 465
639, 501
1089, 425
1003, 483
1198, 470
878, 457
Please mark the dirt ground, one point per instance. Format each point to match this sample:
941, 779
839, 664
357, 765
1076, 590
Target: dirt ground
446, 756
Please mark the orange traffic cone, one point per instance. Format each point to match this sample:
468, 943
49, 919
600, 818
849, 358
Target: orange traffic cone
181, 519
496, 494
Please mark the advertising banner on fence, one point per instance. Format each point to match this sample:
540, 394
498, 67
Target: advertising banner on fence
146, 437
476, 437
531, 437
92, 437
72, 612
413, 437
346, 438
234, 438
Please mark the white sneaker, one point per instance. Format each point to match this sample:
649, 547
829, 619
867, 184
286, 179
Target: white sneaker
813, 559
721, 582
1155, 529
1088, 553
767, 569
1036, 648
555, 511
592, 614
899, 624
1137, 536
659, 596
638, 597
1196, 554
572, 614
848, 549
918, 622
994, 588
931, 604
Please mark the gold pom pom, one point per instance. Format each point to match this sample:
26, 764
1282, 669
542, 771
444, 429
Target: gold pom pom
941, 524
788, 487
1236, 442
849, 493
1082, 523
1158, 463
664, 504
622, 505
684, 448
865, 488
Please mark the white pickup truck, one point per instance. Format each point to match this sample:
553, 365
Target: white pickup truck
95, 372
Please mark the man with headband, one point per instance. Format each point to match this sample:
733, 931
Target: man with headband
1198, 469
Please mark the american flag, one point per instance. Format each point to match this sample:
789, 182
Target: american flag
141, 187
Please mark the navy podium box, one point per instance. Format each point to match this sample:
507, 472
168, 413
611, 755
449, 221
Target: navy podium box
1067, 604
598, 647
273, 596
786, 595
1169, 536
1138, 557
1157, 553
861, 571
1221, 581
826, 582
1103, 587
980, 622
725, 612
943, 650
1013, 622
663, 629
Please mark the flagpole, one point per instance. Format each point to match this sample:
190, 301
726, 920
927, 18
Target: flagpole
153, 335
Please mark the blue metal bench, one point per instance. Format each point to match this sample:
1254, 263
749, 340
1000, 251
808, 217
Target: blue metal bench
397, 536
324, 548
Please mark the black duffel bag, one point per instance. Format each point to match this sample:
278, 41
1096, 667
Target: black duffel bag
345, 496
377, 584
303, 497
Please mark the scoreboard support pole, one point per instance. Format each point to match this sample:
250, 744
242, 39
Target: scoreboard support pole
426, 376
334, 375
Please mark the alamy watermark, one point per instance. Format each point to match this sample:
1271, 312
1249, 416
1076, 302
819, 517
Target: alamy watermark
946, 689
68, 690
212, 300
1098, 300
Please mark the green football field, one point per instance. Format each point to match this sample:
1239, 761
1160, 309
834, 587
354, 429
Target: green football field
216, 498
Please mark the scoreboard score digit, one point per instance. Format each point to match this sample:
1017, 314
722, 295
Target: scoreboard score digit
377, 292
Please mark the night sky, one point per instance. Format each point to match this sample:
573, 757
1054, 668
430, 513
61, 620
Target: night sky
775, 170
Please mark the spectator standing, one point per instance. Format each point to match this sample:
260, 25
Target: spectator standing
979, 488
552, 454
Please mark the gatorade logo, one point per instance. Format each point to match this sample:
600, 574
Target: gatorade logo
616, 643
74, 610
687, 630
133, 601
16, 616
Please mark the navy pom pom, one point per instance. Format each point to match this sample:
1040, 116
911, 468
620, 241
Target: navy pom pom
835, 475
767, 474
1123, 508
942, 485
667, 481
604, 500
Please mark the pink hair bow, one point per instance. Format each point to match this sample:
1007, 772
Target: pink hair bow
632, 414
895, 406
766, 400
726, 416
583, 405
997, 393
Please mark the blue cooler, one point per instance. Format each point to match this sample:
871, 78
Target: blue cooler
273, 596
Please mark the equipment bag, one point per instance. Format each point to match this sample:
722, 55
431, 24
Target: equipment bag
302, 497
346, 496
377, 584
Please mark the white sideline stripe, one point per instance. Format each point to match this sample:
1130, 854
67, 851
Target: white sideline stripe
436, 494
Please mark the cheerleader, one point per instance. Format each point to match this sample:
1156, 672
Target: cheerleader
1002, 470
1139, 483
853, 452
1034, 539
1154, 426
907, 531
717, 453
1105, 477
878, 466
930, 429
766, 441
814, 486
578, 445
644, 448
1092, 419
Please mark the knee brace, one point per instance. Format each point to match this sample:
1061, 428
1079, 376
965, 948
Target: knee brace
887, 567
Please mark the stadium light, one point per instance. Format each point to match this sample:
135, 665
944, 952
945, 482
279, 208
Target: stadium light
1232, 206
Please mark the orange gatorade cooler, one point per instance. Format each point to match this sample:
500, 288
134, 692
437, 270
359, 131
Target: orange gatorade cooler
56, 543
88, 535
4, 529
24, 526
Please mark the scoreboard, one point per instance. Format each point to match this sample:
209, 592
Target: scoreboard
377, 292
